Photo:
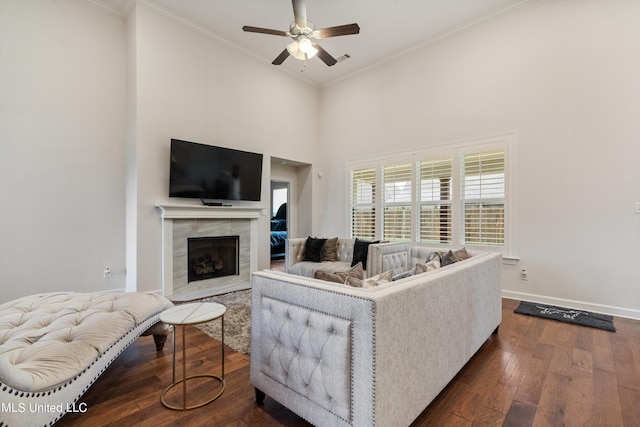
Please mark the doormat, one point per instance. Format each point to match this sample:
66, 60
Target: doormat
567, 315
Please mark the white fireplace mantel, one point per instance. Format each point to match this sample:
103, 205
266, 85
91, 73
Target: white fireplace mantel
171, 213
211, 212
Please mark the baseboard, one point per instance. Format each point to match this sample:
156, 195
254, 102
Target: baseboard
580, 305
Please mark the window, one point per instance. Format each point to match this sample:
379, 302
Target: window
451, 196
397, 201
482, 198
363, 198
434, 199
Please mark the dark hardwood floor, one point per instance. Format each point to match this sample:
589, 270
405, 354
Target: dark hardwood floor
535, 372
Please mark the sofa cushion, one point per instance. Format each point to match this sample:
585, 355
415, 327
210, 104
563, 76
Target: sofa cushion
313, 249
330, 250
355, 272
309, 268
377, 280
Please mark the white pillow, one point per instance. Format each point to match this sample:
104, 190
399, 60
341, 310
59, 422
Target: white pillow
430, 266
371, 281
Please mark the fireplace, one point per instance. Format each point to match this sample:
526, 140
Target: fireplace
211, 257
180, 223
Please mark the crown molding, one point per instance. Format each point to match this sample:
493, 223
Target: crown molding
122, 14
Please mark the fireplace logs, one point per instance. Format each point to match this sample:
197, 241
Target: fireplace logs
211, 257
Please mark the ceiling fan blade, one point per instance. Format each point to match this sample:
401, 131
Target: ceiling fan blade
280, 59
325, 56
299, 13
251, 29
340, 30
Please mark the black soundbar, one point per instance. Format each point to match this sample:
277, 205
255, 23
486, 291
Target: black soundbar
209, 202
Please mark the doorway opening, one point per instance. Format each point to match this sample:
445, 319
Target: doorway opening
279, 218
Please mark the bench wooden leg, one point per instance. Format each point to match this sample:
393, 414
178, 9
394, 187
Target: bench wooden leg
159, 340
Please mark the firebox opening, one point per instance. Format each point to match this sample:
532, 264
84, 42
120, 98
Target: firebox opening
211, 257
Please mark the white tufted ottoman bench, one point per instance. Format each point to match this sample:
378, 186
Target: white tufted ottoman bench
53, 346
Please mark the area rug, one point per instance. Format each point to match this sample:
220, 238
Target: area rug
567, 315
237, 321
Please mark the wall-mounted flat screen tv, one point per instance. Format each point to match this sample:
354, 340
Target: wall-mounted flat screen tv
208, 172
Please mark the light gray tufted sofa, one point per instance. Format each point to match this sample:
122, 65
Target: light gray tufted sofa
343, 356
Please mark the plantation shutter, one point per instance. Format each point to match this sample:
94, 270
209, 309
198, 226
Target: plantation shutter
483, 198
363, 199
397, 200
434, 198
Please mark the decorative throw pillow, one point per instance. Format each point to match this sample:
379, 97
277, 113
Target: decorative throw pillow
313, 249
453, 257
461, 255
361, 251
404, 274
446, 259
330, 250
340, 277
435, 255
434, 260
371, 281
430, 266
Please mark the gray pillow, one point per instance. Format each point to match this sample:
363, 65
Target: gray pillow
330, 250
453, 257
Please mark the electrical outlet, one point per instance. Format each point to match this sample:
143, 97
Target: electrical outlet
107, 272
524, 275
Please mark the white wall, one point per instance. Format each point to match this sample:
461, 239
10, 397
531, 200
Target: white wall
62, 199
565, 76
88, 105
193, 87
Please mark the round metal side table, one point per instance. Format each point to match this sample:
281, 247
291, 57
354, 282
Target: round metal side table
192, 314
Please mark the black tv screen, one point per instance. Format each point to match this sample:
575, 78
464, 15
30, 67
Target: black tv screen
209, 172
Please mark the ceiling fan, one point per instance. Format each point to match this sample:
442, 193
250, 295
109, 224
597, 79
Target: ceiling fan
302, 31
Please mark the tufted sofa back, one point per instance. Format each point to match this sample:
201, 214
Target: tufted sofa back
399, 257
295, 250
309, 352
390, 256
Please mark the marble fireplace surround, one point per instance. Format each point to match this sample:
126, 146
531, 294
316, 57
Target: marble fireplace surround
179, 222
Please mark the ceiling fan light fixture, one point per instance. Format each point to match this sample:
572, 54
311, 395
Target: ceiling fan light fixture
302, 49
307, 47
302, 31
